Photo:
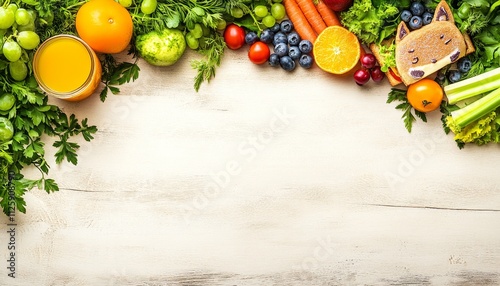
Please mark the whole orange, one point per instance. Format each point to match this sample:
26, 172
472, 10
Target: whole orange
425, 95
105, 25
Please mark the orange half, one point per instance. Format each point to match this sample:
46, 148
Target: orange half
336, 50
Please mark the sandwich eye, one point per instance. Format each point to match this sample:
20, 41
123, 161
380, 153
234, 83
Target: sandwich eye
414, 60
433, 61
411, 51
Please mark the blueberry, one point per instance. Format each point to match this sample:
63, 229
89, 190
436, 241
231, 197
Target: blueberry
305, 61
294, 52
406, 16
281, 49
415, 22
274, 60
276, 28
454, 76
305, 46
267, 36
427, 18
417, 8
293, 38
251, 37
279, 37
286, 26
287, 63
464, 64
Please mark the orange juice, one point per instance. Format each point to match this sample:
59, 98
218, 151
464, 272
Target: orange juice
67, 68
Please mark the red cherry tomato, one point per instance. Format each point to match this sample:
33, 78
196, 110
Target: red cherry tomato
259, 53
234, 36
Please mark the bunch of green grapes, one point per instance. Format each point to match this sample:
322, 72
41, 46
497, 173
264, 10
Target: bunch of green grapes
269, 15
196, 34
264, 13
17, 39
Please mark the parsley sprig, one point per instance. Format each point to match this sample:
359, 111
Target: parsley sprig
34, 119
116, 73
409, 113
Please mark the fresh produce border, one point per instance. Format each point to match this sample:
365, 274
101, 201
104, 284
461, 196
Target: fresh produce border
277, 33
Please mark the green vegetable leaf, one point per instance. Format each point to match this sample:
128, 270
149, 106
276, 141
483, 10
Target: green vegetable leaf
408, 117
114, 73
371, 23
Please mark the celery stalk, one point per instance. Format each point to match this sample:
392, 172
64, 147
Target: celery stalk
473, 86
460, 118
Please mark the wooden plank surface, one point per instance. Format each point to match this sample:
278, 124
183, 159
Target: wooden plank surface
261, 178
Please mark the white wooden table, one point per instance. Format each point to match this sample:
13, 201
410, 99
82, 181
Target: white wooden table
261, 178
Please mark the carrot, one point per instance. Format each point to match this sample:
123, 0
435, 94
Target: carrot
312, 15
299, 20
328, 15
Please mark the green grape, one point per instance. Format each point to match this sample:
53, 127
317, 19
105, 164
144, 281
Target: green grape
28, 40
12, 7
12, 51
18, 70
6, 129
269, 21
236, 12
197, 31
7, 18
260, 11
278, 11
206, 30
32, 15
204, 43
125, 3
148, 6
277, 1
192, 41
28, 27
190, 25
221, 24
22, 16
198, 11
7, 101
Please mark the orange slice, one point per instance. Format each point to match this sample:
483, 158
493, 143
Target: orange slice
336, 50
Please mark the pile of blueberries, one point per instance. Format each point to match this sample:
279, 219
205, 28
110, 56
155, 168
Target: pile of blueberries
288, 48
417, 16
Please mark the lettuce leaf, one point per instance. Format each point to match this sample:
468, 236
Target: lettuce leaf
483, 131
369, 22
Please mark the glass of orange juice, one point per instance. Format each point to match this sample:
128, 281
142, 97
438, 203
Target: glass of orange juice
67, 68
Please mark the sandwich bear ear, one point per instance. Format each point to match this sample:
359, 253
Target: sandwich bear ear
402, 31
443, 12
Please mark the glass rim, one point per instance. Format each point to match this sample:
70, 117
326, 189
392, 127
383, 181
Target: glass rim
68, 94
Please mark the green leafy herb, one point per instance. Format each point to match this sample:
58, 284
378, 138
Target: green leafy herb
372, 21
114, 74
408, 111
206, 68
33, 118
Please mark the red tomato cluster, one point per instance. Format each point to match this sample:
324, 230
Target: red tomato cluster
234, 36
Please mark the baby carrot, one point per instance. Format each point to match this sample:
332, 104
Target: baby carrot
327, 14
312, 15
299, 21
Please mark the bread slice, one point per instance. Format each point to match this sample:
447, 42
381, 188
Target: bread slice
392, 75
422, 52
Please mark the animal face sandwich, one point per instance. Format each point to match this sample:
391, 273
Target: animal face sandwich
421, 52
